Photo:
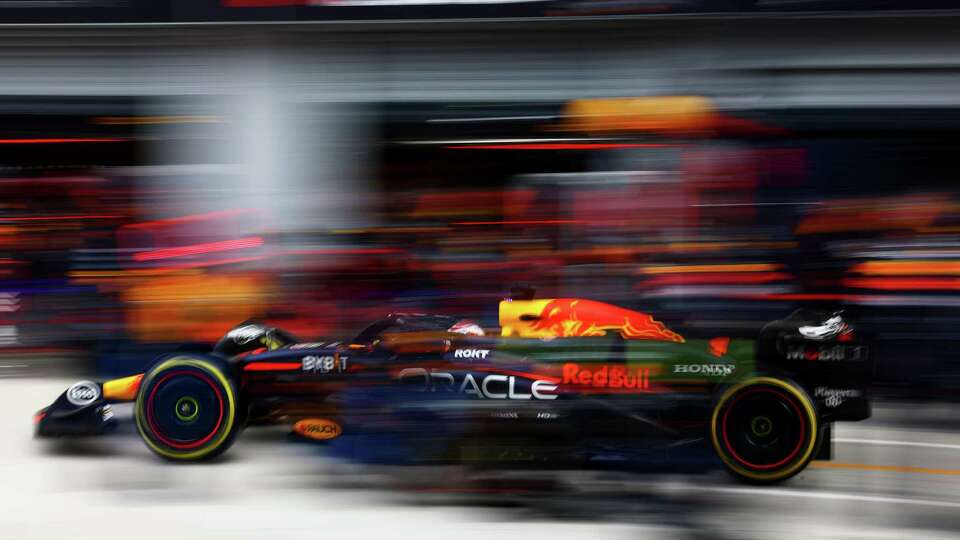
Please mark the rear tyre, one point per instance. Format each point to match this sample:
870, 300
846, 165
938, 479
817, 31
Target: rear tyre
764, 430
186, 409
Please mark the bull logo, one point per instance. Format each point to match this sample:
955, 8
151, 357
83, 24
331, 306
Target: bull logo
570, 317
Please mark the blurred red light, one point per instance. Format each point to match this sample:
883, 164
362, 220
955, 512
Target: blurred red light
59, 141
198, 249
58, 218
557, 146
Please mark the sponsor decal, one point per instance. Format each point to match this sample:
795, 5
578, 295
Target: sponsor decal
324, 364
320, 429
827, 353
468, 328
106, 412
570, 317
482, 385
245, 334
711, 370
83, 393
471, 353
314, 345
248, 333
719, 346
607, 376
832, 327
834, 397
505, 414
543, 415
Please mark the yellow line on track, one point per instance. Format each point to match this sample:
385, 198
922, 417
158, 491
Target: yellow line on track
884, 468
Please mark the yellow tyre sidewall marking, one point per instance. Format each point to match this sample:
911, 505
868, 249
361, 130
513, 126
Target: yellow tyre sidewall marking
231, 408
811, 416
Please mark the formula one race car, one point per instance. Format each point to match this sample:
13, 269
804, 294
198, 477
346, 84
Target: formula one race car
562, 381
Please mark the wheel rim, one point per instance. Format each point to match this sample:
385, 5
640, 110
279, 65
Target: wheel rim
185, 409
763, 428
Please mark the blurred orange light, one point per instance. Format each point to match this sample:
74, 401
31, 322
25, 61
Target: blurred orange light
755, 267
193, 307
914, 212
899, 268
659, 114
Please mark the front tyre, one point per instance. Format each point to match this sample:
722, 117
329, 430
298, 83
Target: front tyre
764, 430
186, 409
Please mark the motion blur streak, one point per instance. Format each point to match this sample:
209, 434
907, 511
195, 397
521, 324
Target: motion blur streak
58, 218
57, 141
898, 268
198, 249
709, 268
555, 146
192, 218
534, 269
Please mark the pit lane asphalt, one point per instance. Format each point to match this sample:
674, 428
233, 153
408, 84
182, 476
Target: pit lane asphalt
887, 480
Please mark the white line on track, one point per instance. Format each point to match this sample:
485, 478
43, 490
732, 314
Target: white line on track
896, 443
826, 495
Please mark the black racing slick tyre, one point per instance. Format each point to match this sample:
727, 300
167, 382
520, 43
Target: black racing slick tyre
765, 430
186, 409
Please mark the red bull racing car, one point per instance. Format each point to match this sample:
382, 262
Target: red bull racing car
561, 381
